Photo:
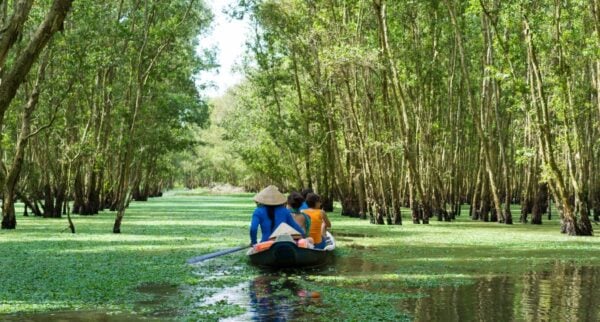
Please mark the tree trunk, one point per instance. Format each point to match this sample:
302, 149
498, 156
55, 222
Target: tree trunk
12, 80
539, 101
539, 204
12, 30
12, 177
399, 100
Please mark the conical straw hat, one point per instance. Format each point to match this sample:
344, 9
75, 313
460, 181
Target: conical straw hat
270, 196
284, 229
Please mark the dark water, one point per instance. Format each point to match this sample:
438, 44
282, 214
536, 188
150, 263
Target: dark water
564, 292
153, 310
559, 292
270, 298
159, 294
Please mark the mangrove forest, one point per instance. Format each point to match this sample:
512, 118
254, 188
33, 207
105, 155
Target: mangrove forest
299, 160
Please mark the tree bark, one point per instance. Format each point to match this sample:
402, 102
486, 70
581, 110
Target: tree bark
11, 31
52, 23
12, 177
538, 99
398, 98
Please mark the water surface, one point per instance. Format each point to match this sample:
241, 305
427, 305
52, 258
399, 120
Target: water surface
561, 292
558, 292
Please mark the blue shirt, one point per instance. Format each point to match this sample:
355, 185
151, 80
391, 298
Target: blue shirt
304, 206
261, 218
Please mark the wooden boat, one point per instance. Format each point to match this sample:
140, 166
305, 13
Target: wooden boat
285, 253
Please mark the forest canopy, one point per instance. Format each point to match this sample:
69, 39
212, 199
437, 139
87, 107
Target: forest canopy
103, 100
380, 105
428, 105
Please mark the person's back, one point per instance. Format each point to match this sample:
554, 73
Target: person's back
269, 214
302, 219
318, 219
281, 214
294, 201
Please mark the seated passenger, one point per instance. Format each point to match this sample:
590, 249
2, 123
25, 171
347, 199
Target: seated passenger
294, 202
318, 218
305, 193
269, 213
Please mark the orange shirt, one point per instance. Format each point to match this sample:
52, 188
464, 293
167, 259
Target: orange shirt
316, 221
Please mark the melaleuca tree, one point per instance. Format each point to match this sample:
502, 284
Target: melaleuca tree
428, 105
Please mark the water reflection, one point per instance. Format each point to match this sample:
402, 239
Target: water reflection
277, 299
270, 297
562, 293
355, 265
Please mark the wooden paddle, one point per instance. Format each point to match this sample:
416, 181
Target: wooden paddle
202, 258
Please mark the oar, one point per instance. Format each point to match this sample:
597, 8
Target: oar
202, 258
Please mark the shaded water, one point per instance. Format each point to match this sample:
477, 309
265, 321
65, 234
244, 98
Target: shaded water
563, 292
153, 310
159, 294
269, 298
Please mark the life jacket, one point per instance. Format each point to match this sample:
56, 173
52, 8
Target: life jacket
316, 221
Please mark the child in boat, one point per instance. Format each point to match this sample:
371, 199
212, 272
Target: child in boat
318, 218
305, 193
295, 201
270, 213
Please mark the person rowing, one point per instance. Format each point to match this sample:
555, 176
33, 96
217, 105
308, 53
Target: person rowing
270, 212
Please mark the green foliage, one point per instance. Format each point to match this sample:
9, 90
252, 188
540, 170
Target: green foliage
408, 102
119, 89
49, 269
214, 159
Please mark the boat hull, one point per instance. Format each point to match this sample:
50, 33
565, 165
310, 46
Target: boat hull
284, 254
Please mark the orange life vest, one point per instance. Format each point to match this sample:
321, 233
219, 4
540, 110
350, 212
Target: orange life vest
316, 221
